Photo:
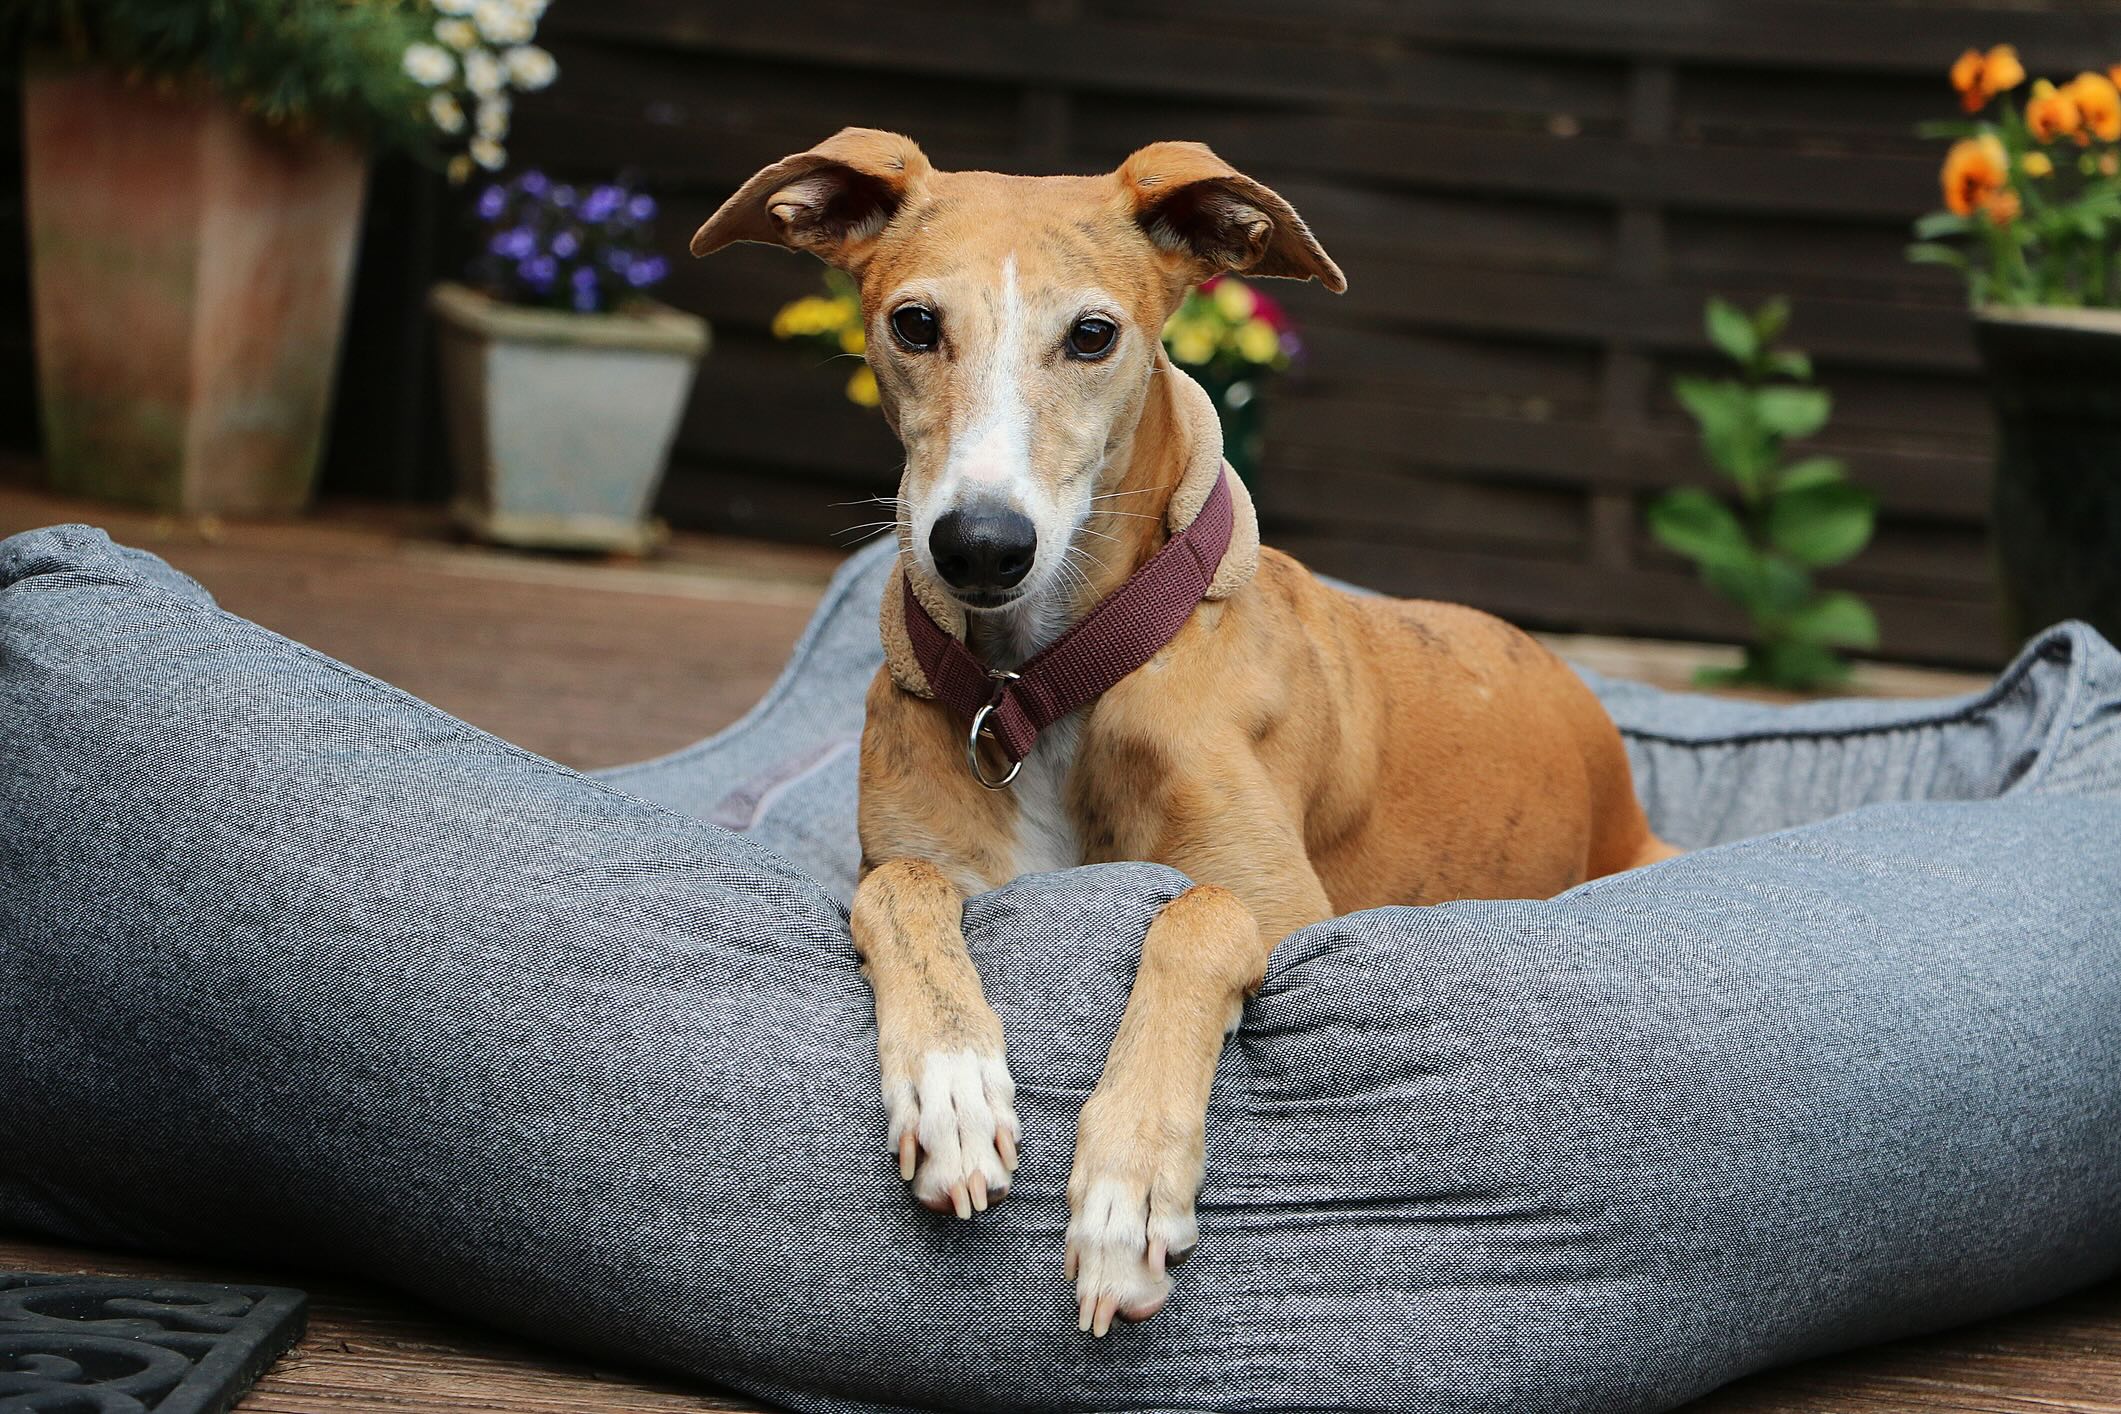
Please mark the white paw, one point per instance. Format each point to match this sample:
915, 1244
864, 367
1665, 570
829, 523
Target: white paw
1130, 1216
953, 1126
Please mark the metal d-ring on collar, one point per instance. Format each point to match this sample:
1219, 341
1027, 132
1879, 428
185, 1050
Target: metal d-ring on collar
1002, 678
1131, 626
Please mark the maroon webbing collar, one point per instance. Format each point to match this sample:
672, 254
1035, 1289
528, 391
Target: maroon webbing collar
1118, 636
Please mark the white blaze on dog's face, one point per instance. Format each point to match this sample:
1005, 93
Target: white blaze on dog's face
1014, 325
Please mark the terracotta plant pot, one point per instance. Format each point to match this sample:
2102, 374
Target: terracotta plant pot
190, 273
560, 423
2055, 378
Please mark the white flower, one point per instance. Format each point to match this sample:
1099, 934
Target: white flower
488, 153
482, 73
454, 7
429, 65
457, 34
447, 112
530, 68
493, 117
501, 22
532, 10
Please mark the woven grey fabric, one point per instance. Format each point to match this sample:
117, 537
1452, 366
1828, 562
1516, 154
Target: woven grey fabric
295, 968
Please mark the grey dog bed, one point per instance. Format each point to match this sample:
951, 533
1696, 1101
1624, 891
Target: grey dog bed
294, 967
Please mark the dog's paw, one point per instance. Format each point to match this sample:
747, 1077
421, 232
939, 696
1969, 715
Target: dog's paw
1130, 1210
954, 1129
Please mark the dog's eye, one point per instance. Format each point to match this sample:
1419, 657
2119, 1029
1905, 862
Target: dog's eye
1091, 337
916, 326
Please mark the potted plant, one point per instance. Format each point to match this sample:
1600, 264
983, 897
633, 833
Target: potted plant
195, 174
1229, 336
2032, 217
1792, 516
565, 382
1233, 339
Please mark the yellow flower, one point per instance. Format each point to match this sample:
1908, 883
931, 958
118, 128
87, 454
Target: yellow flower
2051, 113
2037, 164
2099, 103
853, 341
1234, 301
840, 313
861, 388
1975, 168
1192, 344
1256, 341
790, 319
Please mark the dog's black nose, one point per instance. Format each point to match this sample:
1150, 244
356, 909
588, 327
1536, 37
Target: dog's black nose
983, 550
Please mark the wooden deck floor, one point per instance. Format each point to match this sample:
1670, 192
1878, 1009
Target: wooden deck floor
594, 664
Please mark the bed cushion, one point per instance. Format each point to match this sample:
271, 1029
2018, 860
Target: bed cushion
297, 969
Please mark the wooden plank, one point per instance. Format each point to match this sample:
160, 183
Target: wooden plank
998, 44
1297, 487
1547, 593
1810, 34
1483, 445
1556, 162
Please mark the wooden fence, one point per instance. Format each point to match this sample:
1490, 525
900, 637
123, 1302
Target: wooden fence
1531, 198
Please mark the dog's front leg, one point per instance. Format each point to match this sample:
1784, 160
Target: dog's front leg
947, 1090
1139, 1144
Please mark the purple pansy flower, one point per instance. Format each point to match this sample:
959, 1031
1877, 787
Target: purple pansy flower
562, 246
584, 281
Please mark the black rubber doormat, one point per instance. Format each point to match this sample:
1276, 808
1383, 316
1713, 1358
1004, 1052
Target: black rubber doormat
116, 1345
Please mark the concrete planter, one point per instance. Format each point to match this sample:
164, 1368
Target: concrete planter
2054, 376
190, 274
559, 423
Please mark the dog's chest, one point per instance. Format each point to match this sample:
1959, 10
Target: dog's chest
1046, 836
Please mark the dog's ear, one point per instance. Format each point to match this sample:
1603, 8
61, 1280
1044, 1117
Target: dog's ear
1199, 207
831, 201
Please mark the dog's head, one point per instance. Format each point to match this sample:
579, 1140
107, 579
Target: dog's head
1014, 323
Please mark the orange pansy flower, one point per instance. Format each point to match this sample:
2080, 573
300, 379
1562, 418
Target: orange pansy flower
2099, 104
2001, 72
1974, 170
2051, 113
2001, 207
1980, 77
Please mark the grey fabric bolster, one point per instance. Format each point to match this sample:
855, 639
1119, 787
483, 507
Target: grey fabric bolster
295, 968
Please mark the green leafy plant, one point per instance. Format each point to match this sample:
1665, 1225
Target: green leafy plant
1791, 517
431, 77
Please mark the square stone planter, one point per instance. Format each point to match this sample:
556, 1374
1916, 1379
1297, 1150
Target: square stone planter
189, 274
560, 423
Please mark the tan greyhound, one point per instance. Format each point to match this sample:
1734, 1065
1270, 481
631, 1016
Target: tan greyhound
1298, 751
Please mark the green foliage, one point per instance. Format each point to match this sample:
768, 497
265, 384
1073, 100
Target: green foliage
1791, 516
301, 65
